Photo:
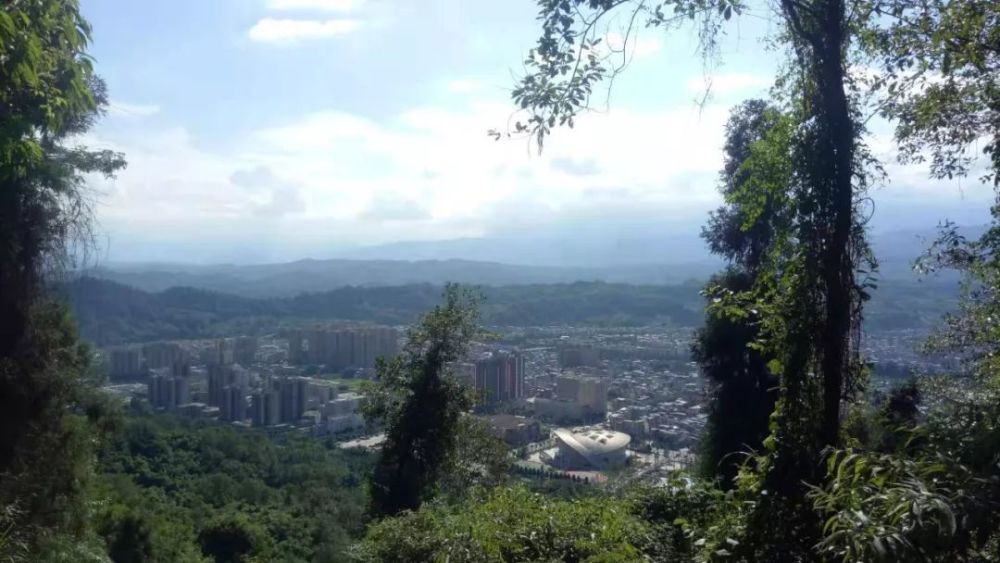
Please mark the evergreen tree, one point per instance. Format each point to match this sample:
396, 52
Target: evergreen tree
421, 404
743, 390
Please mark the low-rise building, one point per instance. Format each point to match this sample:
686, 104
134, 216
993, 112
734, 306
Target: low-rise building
514, 430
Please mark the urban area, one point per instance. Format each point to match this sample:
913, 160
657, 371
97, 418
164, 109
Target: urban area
580, 403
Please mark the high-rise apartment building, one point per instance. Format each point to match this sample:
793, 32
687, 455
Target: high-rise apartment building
169, 389
265, 407
221, 376
234, 403
294, 392
500, 376
219, 352
245, 350
590, 393
125, 362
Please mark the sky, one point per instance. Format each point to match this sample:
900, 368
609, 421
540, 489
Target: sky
276, 130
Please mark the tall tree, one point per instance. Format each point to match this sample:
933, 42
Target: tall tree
809, 299
48, 95
743, 390
421, 404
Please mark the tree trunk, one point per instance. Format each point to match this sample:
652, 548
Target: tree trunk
838, 274
819, 26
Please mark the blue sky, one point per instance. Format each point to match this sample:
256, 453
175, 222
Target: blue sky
272, 130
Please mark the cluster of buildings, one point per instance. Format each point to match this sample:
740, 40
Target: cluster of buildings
667, 409
305, 401
140, 361
899, 354
258, 381
631, 388
169, 388
515, 430
634, 388
137, 361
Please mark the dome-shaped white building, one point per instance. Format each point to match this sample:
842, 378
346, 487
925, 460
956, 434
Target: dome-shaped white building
591, 449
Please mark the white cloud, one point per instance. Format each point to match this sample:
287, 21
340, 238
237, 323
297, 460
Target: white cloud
323, 5
428, 172
273, 30
727, 83
118, 108
432, 164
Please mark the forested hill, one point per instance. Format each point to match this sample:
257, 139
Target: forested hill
113, 313
307, 276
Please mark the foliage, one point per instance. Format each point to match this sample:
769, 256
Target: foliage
937, 64
571, 57
931, 496
479, 459
690, 520
806, 295
175, 489
46, 480
508, 525
233, 539
742, 388
420, 404
883, 507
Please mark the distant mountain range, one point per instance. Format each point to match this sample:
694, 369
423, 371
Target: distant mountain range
310, 276
484, 261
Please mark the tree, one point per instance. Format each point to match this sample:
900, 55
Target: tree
939, 66
233, 539
479, 459
421, 404
510, 524
743, 390
129, 539
48, 94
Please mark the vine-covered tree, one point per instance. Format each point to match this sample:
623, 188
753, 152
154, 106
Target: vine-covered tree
48, 95
936, 70
810, 301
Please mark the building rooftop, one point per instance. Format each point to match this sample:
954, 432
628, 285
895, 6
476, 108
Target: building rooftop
593, 442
